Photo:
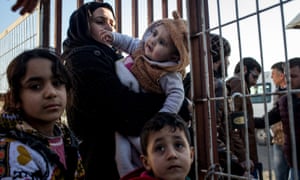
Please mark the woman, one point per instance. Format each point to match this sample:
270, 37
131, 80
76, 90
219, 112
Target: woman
98, 92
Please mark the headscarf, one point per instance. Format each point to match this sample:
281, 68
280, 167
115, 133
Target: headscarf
78, 33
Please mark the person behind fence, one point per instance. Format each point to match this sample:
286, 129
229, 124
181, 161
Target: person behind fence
99, 94
35, 144
219, 79
284, 106
155, 64
167, 152
234, 86
281, 168
216, 48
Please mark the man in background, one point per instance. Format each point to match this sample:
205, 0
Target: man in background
251, 71
281, 167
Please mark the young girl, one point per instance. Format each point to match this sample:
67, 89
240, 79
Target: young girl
33, 141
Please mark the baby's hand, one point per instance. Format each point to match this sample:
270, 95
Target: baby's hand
105, 36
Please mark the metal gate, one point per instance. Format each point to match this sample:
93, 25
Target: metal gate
254, 28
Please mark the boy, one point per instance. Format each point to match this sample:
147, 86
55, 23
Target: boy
166, 149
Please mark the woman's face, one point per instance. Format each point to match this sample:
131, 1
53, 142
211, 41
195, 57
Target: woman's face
102, 18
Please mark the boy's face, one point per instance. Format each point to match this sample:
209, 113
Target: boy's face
169, 154
159, 45
43, 97
295, 77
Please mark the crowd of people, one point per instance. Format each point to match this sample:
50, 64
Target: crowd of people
134, 108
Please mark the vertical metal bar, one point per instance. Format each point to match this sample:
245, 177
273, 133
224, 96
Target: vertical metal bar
79, 3
202, 121
57, 28
164, 4
45, 23
118, 11
179, 7
150, 11
135, 19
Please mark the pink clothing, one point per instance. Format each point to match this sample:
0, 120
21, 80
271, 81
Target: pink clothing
128, 62
57, 145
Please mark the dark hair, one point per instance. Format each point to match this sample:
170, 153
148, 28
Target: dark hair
159, 121
279, 66
215, 45
294, 62
92, 6
17, 68
250, 64
187, 85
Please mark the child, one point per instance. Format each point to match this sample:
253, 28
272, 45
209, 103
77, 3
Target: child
34, 143
155, 64
167, 151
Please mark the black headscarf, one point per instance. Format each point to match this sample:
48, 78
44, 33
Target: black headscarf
78, 33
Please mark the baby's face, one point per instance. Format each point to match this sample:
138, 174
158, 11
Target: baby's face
159, 45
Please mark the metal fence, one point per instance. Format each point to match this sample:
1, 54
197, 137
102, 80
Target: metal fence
249, 25
253, 28
21, 35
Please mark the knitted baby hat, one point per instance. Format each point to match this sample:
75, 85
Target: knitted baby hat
177, 28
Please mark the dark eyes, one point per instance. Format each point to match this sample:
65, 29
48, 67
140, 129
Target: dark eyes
38, 85
159, 148
160, 40
35, 86
103, 21
179, 145
162, 148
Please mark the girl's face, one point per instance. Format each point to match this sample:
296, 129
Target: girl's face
102, 18
169, 154
43, 96
159, 45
